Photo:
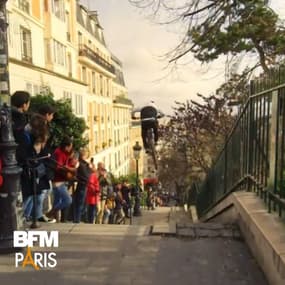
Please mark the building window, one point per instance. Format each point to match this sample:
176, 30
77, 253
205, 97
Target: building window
26, 44
108, 87
67, 95
101, 84
36, 89
59, 53
68, 33
69, 63
84, 74
78, 104
9, 32
33, 89
93, 82
79, 39
24, 5
58, 9
48, 51
29, 87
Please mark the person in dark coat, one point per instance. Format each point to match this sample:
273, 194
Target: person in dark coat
20, 102
119, 216
34, 177
83, 173
126, 197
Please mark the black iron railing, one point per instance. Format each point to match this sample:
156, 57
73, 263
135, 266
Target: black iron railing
253, 157
92, 55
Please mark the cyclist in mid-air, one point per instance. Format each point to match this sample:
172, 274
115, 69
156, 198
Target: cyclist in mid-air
149, 115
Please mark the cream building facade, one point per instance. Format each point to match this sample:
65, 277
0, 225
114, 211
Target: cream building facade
60, 45
121, 120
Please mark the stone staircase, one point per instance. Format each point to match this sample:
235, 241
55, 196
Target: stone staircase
180, 224
178, 215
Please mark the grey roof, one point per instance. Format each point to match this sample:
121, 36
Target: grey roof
90, 16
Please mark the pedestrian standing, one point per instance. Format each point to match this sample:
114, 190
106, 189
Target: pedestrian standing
92, 196
83, 174
63, 173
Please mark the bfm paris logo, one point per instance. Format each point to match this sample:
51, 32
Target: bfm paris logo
29, 239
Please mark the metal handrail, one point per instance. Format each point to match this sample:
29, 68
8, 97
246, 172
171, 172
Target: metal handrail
254, 151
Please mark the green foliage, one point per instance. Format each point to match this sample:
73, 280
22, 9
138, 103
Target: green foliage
222, 27
243, 26
65, 123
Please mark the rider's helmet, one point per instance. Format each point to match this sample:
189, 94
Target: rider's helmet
149, 110
152, 104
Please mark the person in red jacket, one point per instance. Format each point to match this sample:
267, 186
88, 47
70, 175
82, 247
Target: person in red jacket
62, 199
92, 196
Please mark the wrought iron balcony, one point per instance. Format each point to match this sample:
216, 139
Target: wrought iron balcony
92, 55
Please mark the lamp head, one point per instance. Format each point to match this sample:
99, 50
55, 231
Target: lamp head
137, 149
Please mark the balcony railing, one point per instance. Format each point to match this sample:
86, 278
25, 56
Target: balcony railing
89, 53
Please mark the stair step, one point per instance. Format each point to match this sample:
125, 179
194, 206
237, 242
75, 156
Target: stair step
208, 230
164, 229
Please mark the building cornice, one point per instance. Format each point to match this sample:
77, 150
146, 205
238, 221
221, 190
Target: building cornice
44, 70
123, 101
28, 17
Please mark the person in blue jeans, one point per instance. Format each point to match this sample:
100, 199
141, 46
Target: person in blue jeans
28, 207
31, 157
64, 170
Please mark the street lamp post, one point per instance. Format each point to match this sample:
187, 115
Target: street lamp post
137, 149
9, 191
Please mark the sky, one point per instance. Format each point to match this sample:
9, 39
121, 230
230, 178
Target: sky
141, 44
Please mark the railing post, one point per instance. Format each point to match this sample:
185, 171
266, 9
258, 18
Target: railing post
226, 166
250, 142
273, 144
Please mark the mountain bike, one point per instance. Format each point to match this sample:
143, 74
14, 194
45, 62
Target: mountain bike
151, 145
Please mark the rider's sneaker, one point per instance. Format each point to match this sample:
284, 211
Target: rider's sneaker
45, 219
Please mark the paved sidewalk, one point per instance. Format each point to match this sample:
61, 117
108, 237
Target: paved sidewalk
159, 215
128, 255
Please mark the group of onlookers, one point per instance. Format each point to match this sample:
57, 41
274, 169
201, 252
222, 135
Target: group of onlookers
65, 187
32, 137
